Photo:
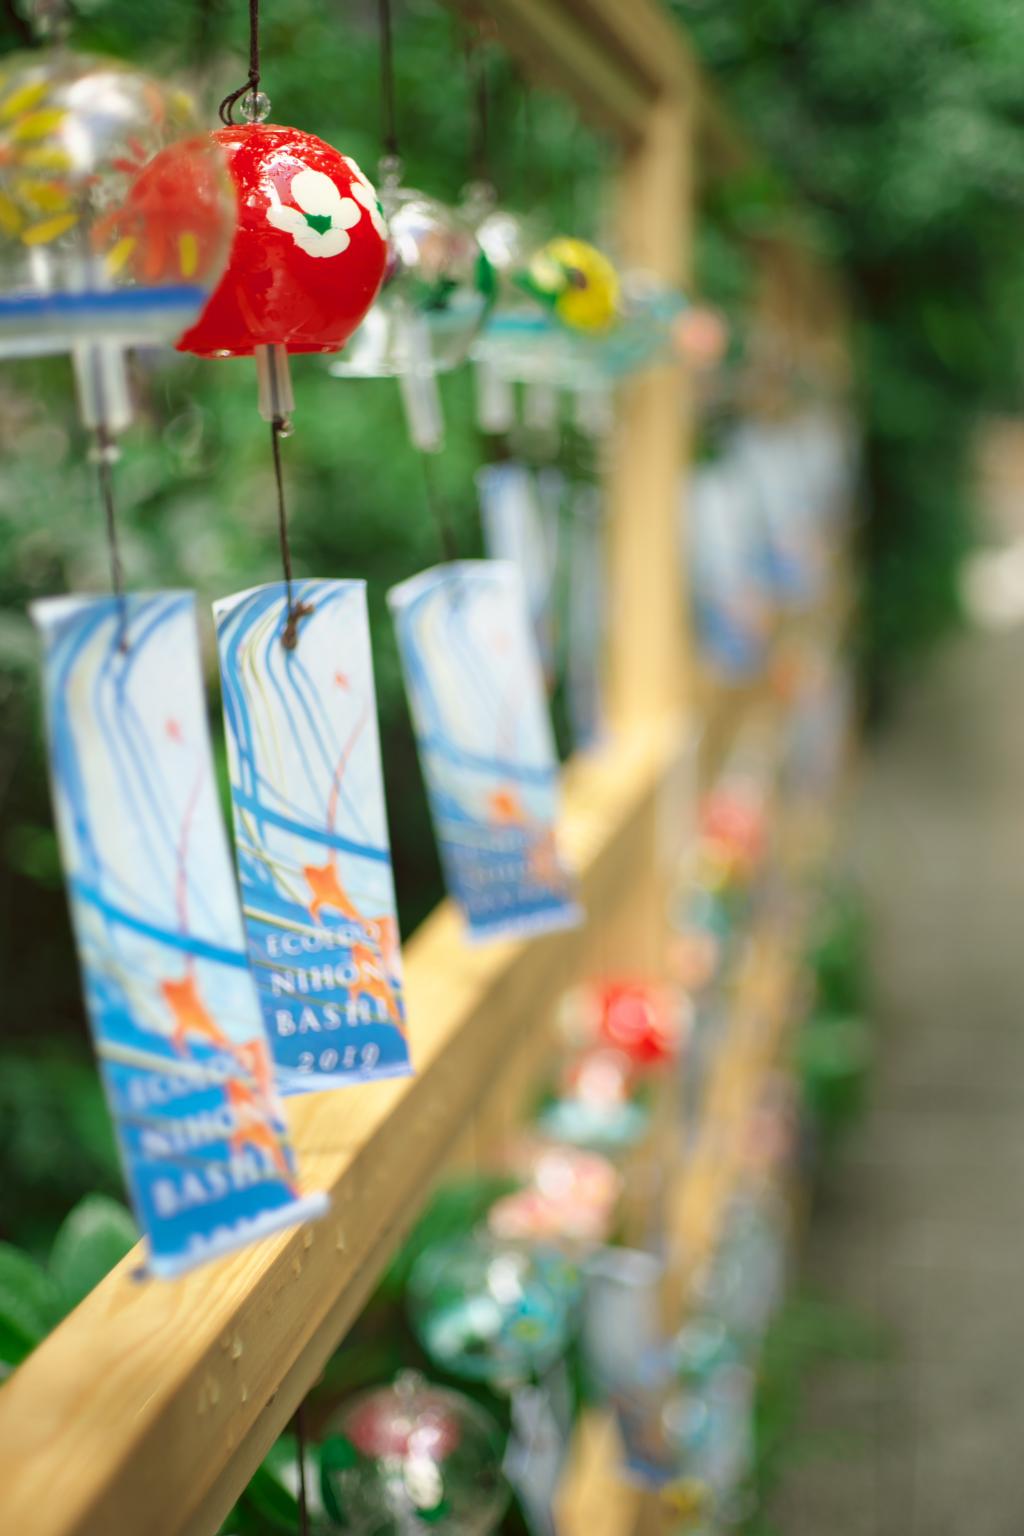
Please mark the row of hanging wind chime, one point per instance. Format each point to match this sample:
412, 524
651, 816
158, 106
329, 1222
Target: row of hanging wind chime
123, 225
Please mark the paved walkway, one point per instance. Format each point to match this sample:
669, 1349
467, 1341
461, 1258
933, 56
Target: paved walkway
923, 1232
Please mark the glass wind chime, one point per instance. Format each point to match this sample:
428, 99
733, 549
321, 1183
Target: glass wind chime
437, 290
307, 260
558, 303
411, 1454
115, 221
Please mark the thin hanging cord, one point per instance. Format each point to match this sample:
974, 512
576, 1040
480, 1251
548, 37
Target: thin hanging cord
296, 611
481, 151
388, 122
525, 163
279, 426
204, 30
104, 453
438, 510
300, 1434
26, 36
389, 142
252, 85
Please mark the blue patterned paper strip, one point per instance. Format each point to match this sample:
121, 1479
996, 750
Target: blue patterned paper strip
521, 528
174, 1012
484, 737
588, 605
311, 833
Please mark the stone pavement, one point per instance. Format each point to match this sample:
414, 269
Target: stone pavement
922, 1233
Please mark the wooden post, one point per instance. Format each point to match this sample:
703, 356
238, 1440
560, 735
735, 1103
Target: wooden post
646, 640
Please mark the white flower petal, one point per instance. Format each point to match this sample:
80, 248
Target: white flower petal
331, 243
356, 172
288, 219
315, 193
366, 192
368, 197
346, 214
309, 188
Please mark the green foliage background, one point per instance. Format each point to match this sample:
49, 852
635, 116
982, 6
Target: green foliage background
901, 127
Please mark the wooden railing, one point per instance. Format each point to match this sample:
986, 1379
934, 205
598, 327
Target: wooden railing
152, 1404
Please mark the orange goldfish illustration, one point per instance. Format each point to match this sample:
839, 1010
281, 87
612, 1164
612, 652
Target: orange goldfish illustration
543, 860
252, 1127
191, 1015
254, 1058
327, 891
323, 880
168, 227
506, 808
373, 985
390, 947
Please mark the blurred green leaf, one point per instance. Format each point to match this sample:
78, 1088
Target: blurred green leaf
337, 1454
96, 1235
901, 130
29, 1304
834, 1057
267, 1507
456, 1208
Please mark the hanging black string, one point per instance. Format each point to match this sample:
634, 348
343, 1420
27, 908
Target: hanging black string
104, 454
204, 32
18, 24
389, 141
438, 507
252, 85
300, 1436
480, 162
296, 611
526, 169
388, 120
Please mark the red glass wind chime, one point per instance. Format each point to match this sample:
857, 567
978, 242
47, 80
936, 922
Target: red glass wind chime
308, 257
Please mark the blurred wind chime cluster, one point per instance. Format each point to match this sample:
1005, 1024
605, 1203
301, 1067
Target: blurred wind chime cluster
620, 1259
626, 1254
566, 328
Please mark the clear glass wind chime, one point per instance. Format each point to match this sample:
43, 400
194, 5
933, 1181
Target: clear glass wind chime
116, 216
437, 289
